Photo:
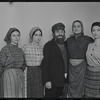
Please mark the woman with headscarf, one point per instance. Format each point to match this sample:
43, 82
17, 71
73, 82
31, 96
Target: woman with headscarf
77, 46
92, 79
12, 65
34, 54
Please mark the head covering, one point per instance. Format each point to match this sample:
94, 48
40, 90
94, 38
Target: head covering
58, 26
95, 24
82, 32
8, 35
32, 32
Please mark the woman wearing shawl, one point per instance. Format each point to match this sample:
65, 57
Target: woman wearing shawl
77, 46
34, 55
12, 65
92, 79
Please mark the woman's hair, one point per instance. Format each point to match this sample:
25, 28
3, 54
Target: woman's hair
7, 38
32, 32
82, 31
36, 31
95, 24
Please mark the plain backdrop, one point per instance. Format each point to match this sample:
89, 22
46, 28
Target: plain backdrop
25, 15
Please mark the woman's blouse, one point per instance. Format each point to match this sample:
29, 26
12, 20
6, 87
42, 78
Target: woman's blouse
33, 54
11, 56
77, 46
93, 56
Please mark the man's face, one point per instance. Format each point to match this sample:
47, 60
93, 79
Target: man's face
59, 36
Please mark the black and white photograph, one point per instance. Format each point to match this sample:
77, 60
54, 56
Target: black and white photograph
49, 50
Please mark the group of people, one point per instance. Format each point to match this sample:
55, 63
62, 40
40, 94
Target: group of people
74, 61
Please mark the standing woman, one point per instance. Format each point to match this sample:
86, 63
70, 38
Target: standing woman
34, 55
12, 65
77, 46
92, 79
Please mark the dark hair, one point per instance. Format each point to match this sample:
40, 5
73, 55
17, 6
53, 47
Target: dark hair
82, 32
95, 24
9, 33
36, 31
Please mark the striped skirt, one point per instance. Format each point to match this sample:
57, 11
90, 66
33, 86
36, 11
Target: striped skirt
13, 83
92, 84
76, 80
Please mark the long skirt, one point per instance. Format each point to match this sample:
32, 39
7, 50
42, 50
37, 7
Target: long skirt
92, 84
76, 80
34, 82
13, 83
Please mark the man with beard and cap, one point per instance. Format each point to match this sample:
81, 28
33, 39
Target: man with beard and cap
54, 63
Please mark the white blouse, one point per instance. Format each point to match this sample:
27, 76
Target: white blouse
93, 56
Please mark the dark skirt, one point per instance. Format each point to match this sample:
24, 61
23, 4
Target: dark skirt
12, 83
76, 80
92, 84
34, 82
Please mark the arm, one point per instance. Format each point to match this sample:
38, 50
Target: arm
24, 62
45, 64
67, 67
3, 56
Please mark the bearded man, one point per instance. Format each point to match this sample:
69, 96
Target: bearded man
54, 63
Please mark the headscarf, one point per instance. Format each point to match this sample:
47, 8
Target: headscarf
8, 35
58, 26
95, 24
32, 32
82, 31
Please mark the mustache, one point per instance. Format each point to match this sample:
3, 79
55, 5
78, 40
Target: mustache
60, 35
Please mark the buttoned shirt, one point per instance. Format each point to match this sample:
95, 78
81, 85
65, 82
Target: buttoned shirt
33, 54
93, 56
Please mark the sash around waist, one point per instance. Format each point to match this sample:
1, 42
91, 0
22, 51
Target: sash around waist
75, 62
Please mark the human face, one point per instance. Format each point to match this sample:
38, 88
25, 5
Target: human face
15, 37
96, 32
37, 36
59, 36
77, 28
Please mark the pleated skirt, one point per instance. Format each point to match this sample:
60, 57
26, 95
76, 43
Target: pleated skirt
76, 80
13, 83
92, 84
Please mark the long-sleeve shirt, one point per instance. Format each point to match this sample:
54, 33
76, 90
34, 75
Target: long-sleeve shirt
93, 56
33, 54
11, 56
77, 46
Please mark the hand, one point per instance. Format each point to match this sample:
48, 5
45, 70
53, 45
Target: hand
65, 75
48, 85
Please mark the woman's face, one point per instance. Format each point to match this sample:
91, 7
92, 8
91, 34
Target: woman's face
96, 32
15, 37
77, 28
37, 36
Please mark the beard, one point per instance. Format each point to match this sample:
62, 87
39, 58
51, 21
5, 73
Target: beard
60, 39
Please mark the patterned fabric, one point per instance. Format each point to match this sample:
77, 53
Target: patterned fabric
33, 54
93, 57
76, 80
34, 82
92, 80
92, 84
77, 47
12, 57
